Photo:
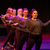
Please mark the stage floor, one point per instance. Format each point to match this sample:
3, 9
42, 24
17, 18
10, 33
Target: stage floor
45, 43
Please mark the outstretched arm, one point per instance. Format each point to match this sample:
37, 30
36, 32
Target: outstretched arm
3, 20
21, 26
45, 24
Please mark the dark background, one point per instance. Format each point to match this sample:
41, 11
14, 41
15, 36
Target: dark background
42, 6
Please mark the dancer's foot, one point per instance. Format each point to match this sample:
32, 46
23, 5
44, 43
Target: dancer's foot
11, 46
8, 44
2, 48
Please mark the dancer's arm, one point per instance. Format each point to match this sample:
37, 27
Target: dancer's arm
45, 24
3, 20
21, 26
6, 21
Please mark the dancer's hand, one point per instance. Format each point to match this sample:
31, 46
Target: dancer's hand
49, 20
3, 16
15, 24
10, 21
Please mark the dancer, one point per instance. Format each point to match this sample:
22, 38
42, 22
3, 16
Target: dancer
11, 32
24, 36
18, 33
8, 14
34, 26
11, 17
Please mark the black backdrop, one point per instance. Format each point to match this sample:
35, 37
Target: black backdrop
42, 6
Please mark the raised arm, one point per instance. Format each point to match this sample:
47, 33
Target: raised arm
3, 19
45, 24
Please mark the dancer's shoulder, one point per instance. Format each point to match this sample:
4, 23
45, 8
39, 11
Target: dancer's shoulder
39, 20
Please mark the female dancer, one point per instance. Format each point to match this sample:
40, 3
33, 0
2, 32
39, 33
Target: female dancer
24, 36
12, 30
8, 14
34, 26
18, 33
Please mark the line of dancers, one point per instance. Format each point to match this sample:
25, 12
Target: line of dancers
24, 27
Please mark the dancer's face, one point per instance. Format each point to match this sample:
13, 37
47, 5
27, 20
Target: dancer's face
25, 13
10, 11
14, 12
34, 14
20, 12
